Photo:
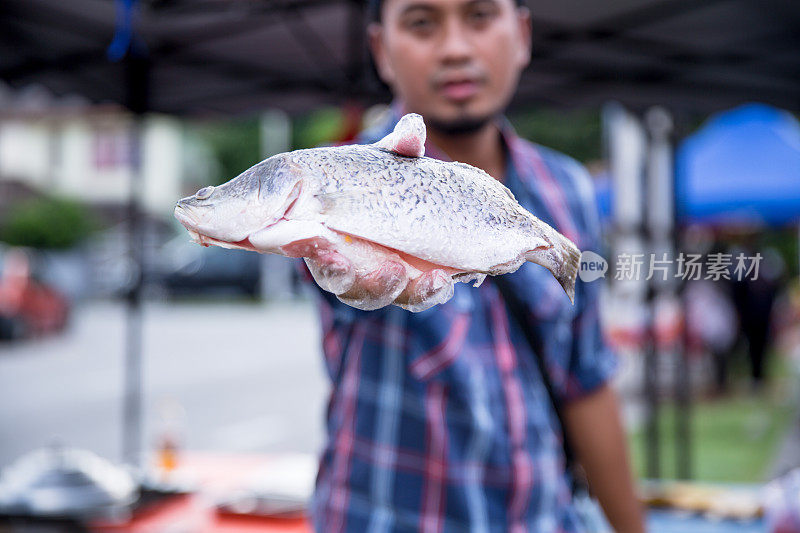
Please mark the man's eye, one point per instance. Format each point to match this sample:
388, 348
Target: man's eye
481, 16
420, 24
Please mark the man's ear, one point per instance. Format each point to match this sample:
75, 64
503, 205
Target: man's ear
378, 49
524, 25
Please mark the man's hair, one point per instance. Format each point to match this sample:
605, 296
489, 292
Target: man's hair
374, 8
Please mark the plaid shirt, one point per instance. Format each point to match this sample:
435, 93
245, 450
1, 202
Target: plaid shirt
439, 420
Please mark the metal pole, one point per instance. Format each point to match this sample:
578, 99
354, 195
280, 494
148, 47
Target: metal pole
683, 405
651, 386
137, 72
661, 224
683, 386
683, 390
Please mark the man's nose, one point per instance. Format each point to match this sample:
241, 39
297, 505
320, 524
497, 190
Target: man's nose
456, 45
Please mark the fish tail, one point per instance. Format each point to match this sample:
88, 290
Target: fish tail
562, 260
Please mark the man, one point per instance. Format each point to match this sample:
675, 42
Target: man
440, 420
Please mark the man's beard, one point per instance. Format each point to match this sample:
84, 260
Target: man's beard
459, 126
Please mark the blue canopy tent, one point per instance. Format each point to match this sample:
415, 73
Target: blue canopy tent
741, 168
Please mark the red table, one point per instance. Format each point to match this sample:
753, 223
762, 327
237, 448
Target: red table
215, 475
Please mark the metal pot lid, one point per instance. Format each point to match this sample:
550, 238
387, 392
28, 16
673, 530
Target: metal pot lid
58, 481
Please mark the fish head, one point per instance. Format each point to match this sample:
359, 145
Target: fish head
229, 213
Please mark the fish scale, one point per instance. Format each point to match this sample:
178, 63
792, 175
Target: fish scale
469, 219
381, 223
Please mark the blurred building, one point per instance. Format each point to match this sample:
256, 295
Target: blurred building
87, 154
63, 146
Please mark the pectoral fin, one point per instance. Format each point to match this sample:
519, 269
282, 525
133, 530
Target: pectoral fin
408, 137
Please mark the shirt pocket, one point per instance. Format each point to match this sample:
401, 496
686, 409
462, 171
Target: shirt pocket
438, 343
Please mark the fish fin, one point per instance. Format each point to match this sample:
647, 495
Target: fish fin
408, 137
467, 277
562, 260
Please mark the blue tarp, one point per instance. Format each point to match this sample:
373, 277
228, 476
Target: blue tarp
742, 167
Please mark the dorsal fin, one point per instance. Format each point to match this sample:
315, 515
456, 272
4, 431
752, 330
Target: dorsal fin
408, 137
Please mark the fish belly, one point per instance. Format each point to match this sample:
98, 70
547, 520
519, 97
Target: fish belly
363, 274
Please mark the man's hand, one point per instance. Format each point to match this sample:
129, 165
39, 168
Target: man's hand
386, 280
596, 434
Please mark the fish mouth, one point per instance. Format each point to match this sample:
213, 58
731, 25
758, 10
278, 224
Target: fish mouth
190, 221
191, 224
205, 240
186, 218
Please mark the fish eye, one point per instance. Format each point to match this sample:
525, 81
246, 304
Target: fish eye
204, 193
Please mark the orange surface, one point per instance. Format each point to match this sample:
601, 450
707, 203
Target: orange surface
215, 474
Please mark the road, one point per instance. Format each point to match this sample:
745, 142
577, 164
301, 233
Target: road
230, 377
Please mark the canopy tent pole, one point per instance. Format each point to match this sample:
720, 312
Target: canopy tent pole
683, 391
661, 225
137, 77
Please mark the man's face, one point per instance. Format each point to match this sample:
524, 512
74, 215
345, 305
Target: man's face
456, 62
